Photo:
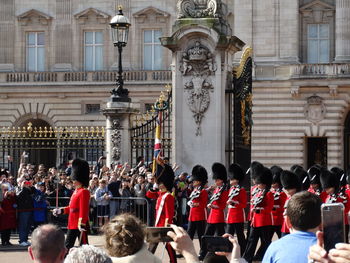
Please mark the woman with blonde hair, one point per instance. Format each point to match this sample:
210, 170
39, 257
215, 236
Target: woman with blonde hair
124, 236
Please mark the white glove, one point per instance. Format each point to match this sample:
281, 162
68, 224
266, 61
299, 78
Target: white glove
56, 211
155, 186
190, 204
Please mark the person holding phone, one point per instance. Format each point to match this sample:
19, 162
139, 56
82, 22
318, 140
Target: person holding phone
237, 201
198, 203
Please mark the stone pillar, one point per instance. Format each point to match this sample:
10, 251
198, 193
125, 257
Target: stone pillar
342, 31
117, 132
202, 53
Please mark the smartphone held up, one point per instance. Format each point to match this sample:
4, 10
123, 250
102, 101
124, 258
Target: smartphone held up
333, 226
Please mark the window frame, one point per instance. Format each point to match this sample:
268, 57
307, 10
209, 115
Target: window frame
36, 46
318, 39
93, 45
153, 45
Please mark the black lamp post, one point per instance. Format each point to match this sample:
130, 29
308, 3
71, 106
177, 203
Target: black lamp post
120, 30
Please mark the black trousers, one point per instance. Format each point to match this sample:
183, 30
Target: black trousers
72, 235
171, 252
5, 236
264, 233
198, 226
211, 230
277, 230
238, 229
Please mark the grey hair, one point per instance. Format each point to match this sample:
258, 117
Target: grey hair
42, 239
87, 254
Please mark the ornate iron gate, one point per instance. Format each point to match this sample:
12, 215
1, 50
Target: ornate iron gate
143, 131
52, 146
239, 103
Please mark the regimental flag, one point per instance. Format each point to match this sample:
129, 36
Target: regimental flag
158, 151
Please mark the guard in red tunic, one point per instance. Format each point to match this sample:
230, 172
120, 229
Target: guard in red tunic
165, 206
237, 201
280, 198
291, 185
78, 208
198, 203
217, 204
315, 184
261, 216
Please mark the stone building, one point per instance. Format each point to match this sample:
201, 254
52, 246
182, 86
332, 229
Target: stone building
58, 64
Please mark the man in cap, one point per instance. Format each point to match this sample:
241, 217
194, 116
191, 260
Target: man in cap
198, 203
237, 201
78, 208
217, 204
165, 206
291, 185
261, 216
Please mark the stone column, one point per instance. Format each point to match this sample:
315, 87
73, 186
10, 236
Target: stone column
342, 31
202, 50
117, 132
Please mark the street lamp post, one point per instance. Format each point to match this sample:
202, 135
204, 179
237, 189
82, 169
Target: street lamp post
120, 29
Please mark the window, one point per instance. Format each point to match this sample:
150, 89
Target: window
152, 50
93, 51
35, 59
318, 43
92, 108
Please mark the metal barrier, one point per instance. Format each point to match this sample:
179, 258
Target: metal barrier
142, 208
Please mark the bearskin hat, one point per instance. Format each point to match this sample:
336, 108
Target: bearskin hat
276, 174
199, 173
255, 169
303, 178
219, 171
340, 175
80, 172
314, 175
290, 180
166, 177
295, 166
265, 177
329, 179
235, 172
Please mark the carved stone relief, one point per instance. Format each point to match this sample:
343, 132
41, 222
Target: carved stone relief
198, 63
315, 110
199, 8
116, 139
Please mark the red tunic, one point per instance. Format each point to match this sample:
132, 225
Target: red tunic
199, 213
322, 195
78, 208
168, 208
8, 214
280, 198
236, 213
345, 200
262, 216
216, 215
